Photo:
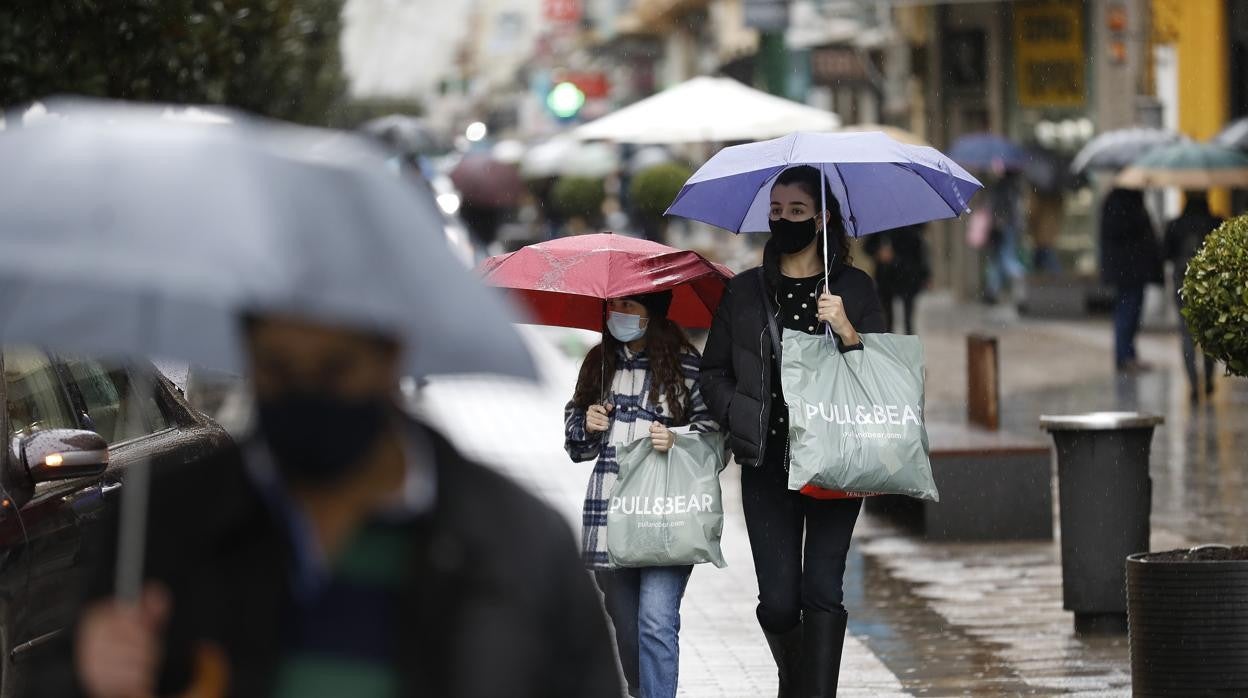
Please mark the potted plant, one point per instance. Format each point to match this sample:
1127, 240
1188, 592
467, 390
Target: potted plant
1215, 296
1187, 613
579, 201
652, 191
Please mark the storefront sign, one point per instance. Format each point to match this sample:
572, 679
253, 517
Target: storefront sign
593, 84
562, 11
837, 65
767, 15
1050, 58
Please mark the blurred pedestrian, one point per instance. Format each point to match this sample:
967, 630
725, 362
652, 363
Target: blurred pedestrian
901, 270
641, 381
799, 542
1130, 261
1184, 237
1045, 214
346, 550
1004, 271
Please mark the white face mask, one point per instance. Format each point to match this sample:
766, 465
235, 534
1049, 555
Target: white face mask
625, 327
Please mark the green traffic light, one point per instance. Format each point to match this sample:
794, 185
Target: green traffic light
565, 100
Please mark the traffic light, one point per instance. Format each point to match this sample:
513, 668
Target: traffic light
565, 100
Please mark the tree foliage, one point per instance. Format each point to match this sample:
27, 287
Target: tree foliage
279, 58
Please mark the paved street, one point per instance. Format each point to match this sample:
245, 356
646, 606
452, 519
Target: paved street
926, 619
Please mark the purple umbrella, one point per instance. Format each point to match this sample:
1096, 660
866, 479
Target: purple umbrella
880, 184
984, 152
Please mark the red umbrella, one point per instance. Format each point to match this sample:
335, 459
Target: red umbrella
484, 181
566, 282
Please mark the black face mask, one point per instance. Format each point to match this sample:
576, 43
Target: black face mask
317, 437
792, 237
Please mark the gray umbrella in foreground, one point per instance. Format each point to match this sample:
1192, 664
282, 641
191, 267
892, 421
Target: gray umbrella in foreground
127, 234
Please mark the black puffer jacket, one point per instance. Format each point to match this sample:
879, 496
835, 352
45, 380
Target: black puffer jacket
736, 365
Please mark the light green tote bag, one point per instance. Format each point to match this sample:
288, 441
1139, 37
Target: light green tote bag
856, 419
665, 509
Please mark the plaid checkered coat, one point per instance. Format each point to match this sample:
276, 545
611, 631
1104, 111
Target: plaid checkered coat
630, 419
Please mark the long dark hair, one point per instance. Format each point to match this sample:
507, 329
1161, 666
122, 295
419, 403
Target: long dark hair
808, 179
665, 343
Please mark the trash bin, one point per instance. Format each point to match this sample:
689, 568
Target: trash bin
1104, 500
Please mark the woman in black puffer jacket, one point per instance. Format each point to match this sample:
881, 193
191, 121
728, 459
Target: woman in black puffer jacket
800, 595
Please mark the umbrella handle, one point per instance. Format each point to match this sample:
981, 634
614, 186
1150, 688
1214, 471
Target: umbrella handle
132, 533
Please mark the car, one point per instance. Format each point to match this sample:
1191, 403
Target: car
74, 427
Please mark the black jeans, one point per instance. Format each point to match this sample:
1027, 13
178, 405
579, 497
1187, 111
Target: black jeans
887, 293
776, 518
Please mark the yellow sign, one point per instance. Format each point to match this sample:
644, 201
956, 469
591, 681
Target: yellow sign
1049, 55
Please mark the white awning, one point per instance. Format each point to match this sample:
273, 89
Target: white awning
707, 110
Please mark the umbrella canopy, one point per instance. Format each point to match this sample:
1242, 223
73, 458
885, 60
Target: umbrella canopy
566, 282
407, 134
707, 110
1192, 166
1235, 135
984, 152
563, 156
510, 151
127, 234
1114, 150
136, 235
880, 184
485, 181
648, 157
898, 134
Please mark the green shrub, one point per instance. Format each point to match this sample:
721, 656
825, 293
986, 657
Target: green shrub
1215, 296
579, 197
654, 188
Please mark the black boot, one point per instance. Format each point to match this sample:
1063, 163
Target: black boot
786, 649
823, 638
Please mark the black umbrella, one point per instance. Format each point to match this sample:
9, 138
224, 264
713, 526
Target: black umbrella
408, 135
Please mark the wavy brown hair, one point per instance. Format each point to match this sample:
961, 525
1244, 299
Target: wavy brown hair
665, 343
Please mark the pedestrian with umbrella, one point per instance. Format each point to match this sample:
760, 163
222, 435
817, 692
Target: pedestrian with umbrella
811, 192
1184, 237
489, 189
1131, 258
340, 550
640, 382
1130, 261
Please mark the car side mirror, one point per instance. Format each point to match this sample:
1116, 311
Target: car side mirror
62, 454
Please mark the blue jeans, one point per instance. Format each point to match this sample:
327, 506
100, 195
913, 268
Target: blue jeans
644, 606
1128, 305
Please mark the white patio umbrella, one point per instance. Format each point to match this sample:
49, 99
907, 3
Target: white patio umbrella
566, 156
707, 110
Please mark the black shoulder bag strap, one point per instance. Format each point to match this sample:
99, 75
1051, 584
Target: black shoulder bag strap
771, 317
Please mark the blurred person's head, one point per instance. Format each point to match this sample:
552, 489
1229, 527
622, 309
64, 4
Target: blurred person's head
324, 395
1120, 201
1196, 201
796, 220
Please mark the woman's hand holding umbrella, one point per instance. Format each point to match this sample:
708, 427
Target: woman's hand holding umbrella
596, 418
832, 311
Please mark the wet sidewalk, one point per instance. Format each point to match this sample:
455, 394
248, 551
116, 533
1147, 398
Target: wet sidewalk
926, 619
